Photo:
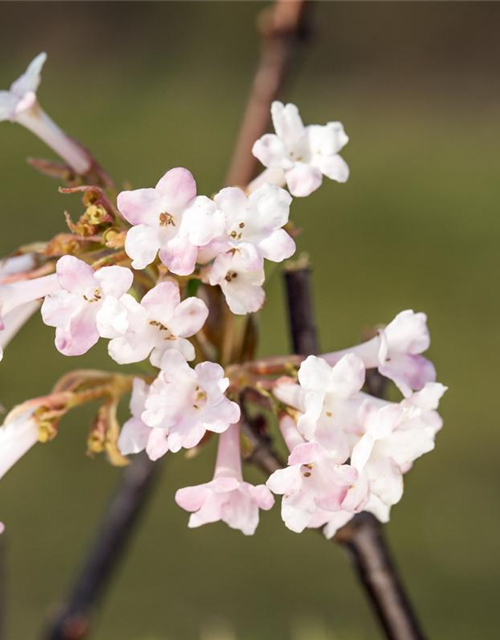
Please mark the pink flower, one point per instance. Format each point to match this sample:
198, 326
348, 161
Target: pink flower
171, 220
395, 436
242, 287
330, 402
300, 155
227, 497
396, 352
136, 436
184, 403
18, 300
17, 264
73, 309
253, 224
159, 322
16, 294
381, 439
17, 436
14, 320
313, 485
20, 105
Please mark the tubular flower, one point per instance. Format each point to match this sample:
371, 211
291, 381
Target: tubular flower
184, 403
253, 224
159, 322
227, 497
330, 402
313, 485
17, 294
380, 439
169, 219
299, 155
20, 105
17, 436
242, 287
74, 307
396, 350
135, 436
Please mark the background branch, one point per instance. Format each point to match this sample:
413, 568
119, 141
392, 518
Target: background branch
282, 27
73, 617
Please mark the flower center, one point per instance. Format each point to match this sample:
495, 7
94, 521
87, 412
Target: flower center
162, 329
236, 234
306, 470
166, 219
231, 275
200, 398
96, 297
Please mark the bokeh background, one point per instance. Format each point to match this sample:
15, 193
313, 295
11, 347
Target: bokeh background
148, 86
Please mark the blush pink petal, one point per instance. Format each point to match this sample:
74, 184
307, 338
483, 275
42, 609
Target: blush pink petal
178, 187
141, 206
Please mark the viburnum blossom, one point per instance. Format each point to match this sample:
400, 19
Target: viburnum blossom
14, 295
19, 104
135, 436
330, 401
159, 322
13, 321
17, 435
313, 485
73, 308
184, 403
254, 224
396, 352
227, 497
380, 440
13, 265
299, 155
169, 219
14, 312
242, 287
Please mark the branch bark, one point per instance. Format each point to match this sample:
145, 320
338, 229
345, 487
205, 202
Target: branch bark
362, 537
283, 27
73, 617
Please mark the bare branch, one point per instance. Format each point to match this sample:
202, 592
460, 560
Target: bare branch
282, 27
73, 617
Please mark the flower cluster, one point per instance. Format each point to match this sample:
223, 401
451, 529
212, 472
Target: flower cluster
348, 449
159, 273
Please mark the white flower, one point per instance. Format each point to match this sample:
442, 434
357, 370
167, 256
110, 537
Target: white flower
17, 436
227, 497
301, 155
253, 224
184, 403
396, 351
20, 105
380, 439
159, 322
171, 220
241, 286
73, 307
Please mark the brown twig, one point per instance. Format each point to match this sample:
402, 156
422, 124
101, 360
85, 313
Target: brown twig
73, 617
282, 26
362, 537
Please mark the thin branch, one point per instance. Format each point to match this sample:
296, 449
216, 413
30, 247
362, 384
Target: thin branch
369, 551
282, 27
362, 537
73, 616
303, 331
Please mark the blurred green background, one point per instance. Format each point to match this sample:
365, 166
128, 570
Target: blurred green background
148, 86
